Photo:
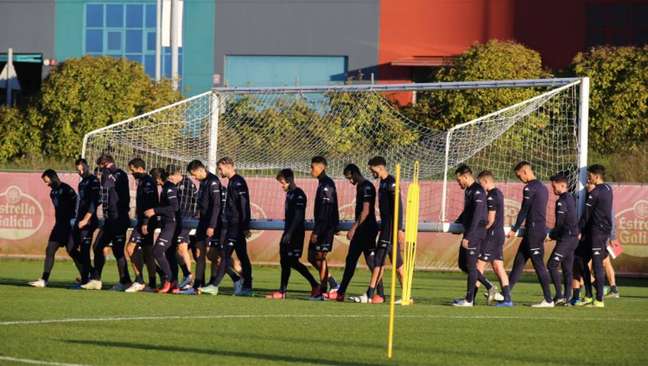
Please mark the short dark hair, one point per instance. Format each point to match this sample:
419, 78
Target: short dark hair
225, 160
596, 169
287, 175
377, 161
560, 177
486, 174
172, 169
80, 161
137, 163
351, 169
105, 159
195, 165
158, 173
463, 169
521, 165
319, 160
50, 173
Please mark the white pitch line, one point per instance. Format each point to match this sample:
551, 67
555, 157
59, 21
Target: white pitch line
280, 316
37, 362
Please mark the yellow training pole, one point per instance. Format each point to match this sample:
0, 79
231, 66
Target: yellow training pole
392, 300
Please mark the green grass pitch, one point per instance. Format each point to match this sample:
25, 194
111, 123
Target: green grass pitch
62, 326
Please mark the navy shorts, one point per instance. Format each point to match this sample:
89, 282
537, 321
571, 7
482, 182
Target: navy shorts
324, 243
492, 249
294, 247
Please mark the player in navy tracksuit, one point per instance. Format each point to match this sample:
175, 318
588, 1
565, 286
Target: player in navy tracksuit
533, 215
115, 200
187, 198
492, 249
596, 225
292, 239
168, 210
565, 233
64, 200
364, 230
327, 218
474, 219
86, 221
386, 205
209, 210
140, 245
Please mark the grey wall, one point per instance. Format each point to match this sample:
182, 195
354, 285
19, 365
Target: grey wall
27, 26
298, 27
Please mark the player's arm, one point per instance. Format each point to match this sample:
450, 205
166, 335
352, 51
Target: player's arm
121, 187
477, 206
71, 198
590, 203
324, 221
149, 199
170, 210
215, 198
561, 220
300, 216
527, 198
244, 205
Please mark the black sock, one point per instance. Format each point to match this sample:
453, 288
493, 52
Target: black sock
484, 281
588, 291
185, 270
613, 289
380, 289
506, 292
139, 278
332, 283
370, 291
576, 293
45, 276
152, 281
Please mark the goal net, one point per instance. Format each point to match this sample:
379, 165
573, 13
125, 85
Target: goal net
268, 129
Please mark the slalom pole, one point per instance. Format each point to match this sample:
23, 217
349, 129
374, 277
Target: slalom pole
392, 300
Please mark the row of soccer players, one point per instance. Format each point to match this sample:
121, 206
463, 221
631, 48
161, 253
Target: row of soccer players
578, 242
223, 223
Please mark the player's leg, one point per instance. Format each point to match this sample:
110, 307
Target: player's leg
48, 264
200, 255
553, 265
611, 277
519, 262
162, 244
500, 271
134, 254
173, 263
118, 248
185, 264
470, 256
240, 248
599, 243
356, 247
99, 251
536, 253
84, 239
377, 273
399, 257
567, 266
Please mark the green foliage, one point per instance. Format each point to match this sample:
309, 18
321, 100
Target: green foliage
495, 60
618, 117
92, 92
21, 131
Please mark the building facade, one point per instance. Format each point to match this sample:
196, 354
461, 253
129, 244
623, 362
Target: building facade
308, 42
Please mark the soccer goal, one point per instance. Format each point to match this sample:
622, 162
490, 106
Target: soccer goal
267, 129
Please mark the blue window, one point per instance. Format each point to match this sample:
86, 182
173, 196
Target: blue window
151, 16
150, 41
125, 30
115, 15
114, 41
94, 15
134, 16
94, 40
133, 41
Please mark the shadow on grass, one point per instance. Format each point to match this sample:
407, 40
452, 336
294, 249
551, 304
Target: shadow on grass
213, 352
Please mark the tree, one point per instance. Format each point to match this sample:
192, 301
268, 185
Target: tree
494, 60
92, 92
618, 119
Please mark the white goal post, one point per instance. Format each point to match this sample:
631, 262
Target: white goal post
267, 129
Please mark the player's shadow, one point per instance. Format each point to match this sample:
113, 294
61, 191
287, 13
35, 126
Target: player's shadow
23, 283
213, 352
